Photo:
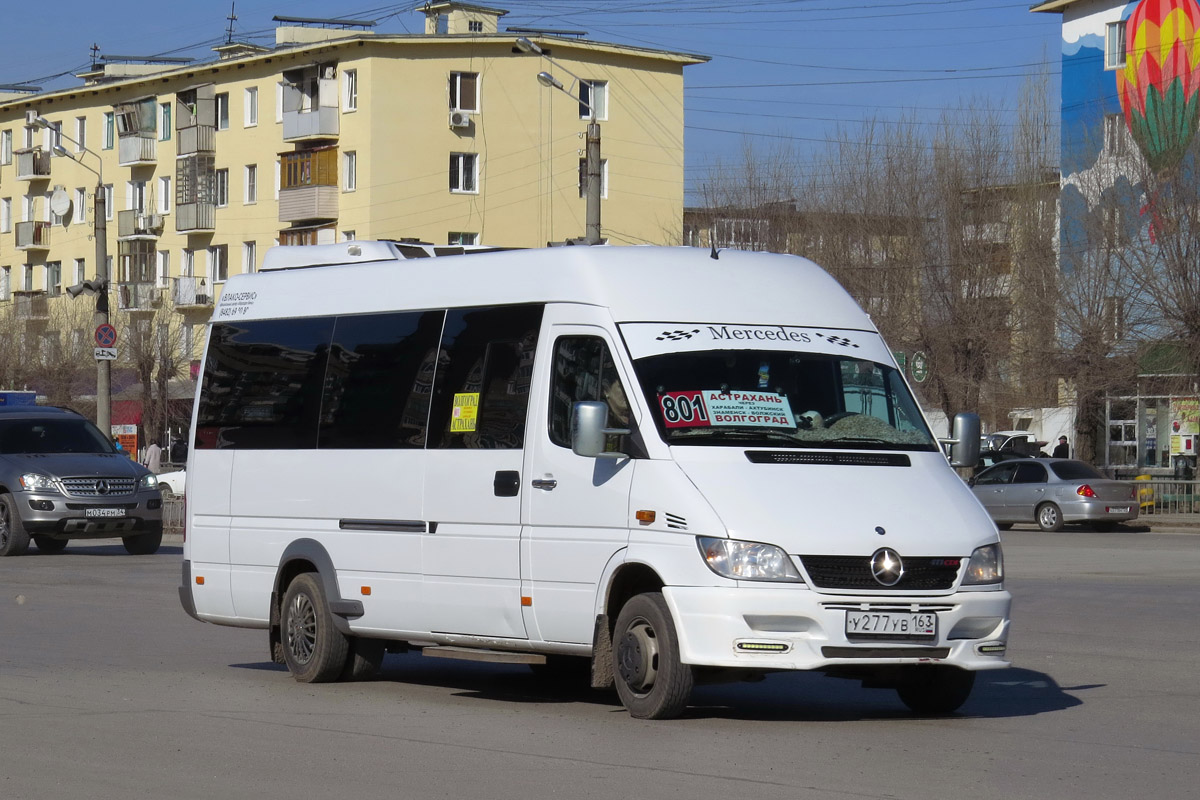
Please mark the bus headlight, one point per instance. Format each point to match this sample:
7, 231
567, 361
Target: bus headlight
986, 565
747, 561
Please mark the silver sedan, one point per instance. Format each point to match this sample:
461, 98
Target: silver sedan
1053, 491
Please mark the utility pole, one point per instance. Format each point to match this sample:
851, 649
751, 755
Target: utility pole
593, 177
103, 366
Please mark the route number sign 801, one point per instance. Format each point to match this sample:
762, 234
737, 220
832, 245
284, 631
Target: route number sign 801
683, 409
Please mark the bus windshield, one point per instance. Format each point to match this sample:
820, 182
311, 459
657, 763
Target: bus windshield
773, 398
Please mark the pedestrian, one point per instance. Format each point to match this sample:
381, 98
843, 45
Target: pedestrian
1062, 449
153, 460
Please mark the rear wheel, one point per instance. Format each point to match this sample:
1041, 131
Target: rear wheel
14, 539
46, 544
166, 492
314, 650
143, 544
936, 689
651, 680
1049, 517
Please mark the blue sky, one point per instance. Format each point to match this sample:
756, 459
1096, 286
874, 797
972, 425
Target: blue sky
782, 72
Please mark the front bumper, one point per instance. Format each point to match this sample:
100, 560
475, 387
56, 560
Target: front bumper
67, 517
972, 630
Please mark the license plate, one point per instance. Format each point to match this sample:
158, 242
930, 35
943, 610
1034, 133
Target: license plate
1117, 509
890, 624
104, 512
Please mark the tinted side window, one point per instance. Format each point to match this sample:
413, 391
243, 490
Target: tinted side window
1002, 473
584, 370
1029, 472
379, 380
481, 389
1075, 471
262, 384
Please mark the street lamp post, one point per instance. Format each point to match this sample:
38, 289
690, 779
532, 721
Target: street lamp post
99, 286
592, 150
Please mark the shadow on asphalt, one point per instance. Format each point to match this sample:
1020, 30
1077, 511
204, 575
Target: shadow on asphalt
81, 547
781, 697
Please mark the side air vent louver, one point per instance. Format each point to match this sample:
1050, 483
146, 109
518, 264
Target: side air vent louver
836, 459
676, 521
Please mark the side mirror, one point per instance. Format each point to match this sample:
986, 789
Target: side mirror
964, 441
589, 433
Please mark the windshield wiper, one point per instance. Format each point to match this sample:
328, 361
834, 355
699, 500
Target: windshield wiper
736, 433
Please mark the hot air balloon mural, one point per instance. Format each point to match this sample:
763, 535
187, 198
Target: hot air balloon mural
1159, 88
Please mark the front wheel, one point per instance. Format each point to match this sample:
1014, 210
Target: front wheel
143, 544
1049, 517
935, 689
14, 539
314, 650
46, 544
651, 681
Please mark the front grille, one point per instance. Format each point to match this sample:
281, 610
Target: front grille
828, 459
885, 652
99, 487
854, 572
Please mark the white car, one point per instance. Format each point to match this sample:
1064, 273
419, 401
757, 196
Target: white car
171, 483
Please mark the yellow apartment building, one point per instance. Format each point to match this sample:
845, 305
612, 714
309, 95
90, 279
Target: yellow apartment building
334, 133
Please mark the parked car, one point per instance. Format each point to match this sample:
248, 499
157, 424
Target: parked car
171, 483
62, 479
1052, 492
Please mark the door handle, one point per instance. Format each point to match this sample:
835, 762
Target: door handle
544, 483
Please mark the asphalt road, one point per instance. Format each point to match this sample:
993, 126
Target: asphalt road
108, 690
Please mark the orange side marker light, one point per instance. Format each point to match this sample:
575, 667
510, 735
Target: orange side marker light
644, 517
526, 601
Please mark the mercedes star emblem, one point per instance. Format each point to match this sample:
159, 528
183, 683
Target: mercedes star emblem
101, 487
886, 567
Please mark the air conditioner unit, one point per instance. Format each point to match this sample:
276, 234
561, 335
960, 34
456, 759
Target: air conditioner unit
460, 119
150, 222
31, 117
202, 300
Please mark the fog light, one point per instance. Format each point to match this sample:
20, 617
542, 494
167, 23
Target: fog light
41, 505
974, 627
991, 649
153, 504
763, 647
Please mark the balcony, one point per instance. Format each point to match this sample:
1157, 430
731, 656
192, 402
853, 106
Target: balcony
135, 150
310, 103
189, 292
32, 164
197, 139
308, 185
138, 225
33, 235
195, 217
196, 120
139, 296
31, 305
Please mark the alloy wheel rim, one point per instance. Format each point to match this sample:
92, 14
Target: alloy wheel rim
301, 629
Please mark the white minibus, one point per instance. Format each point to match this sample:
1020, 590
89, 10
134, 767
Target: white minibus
669, 464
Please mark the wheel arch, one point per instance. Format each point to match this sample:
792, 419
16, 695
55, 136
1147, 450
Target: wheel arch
309, 555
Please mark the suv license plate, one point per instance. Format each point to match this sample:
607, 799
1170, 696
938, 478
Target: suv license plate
891, 624
104, 512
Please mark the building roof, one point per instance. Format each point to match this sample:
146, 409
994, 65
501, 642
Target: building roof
415, 40
1053, 5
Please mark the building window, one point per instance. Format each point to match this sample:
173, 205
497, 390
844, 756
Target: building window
251, 107
1114, 45
278, 103
474, 26
457, 237
6, 148
350, 90
583, 177
464, 91
28, 208
80, 206
593, 96
251, 184
27, 277
249, 257
164, 267
187, 265
52, 137
135, 196
223, 111
53, 277
6, 219
80, 270
187, 343
221, 188
110, 130
350, 170
463, 176
218, 262
80, 134
164, 122
164, 195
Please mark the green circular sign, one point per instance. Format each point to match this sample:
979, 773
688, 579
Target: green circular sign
919, 366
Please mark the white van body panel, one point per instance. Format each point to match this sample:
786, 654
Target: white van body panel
433, 552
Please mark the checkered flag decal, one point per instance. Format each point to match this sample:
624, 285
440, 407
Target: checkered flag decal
841, 340
675, 336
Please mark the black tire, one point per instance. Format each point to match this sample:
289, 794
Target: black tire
935, 690
1004, 526
143, 544
363, 659
166, 492
651, 681
1049, 517
313, 649
14, 539
46, 544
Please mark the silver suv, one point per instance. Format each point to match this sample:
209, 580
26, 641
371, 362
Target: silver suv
62, 479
